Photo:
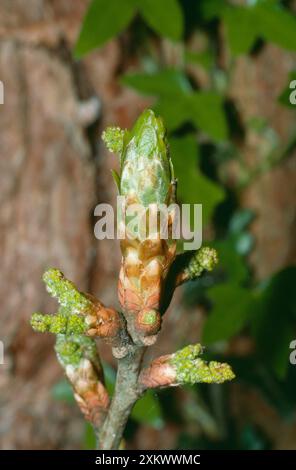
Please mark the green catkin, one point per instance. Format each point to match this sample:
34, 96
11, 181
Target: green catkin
204, 259
114, 138
71, 350
58, 323
65, 291
191, 369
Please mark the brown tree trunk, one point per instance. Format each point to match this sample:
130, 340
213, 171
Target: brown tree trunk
53, 173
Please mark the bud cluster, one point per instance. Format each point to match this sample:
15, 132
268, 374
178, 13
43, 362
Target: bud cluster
150, 272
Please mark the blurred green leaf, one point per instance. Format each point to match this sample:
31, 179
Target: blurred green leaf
274, 317
231, 311
174, 111
62, 391
203, 109
89, 438
110, 377
270, 311
231, 263
266, 19
251, 439
213, 8
252, 371
206, 110
206, 58
103, 20
166, 82
164, 16
275, 23
239, 27
193, 187
178, 104
147, 411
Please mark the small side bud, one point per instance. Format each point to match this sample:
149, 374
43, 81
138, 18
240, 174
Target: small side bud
190, 368
113, 139
148, 322
184, 367
204, 259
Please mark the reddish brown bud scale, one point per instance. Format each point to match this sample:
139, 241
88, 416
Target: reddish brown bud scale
105, 323
158, 374
141, 281
148, 321
94, 404
89, 391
